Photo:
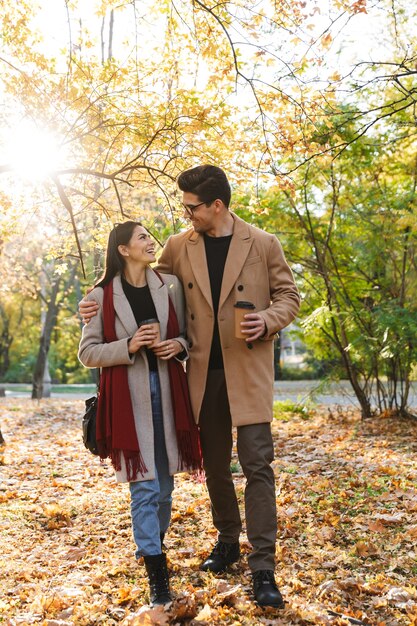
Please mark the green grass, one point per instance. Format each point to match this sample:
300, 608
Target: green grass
284, 409
73, 388
87, 388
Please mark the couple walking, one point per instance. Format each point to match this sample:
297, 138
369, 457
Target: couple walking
201, 274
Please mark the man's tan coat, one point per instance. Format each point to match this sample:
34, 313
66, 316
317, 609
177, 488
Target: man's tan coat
256, 271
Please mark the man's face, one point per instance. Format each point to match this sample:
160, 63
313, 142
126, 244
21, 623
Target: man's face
199, 213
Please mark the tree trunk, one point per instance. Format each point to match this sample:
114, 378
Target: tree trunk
38, 390
5, 342
111, 26
277, 358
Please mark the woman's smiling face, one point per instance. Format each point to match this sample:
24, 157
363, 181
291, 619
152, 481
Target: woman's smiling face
141, 247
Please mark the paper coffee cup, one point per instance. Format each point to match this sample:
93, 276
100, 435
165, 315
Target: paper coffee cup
155, 324
241, 308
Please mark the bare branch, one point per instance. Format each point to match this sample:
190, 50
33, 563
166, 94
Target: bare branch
67, 204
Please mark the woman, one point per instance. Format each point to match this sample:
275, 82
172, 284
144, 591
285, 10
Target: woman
144, 421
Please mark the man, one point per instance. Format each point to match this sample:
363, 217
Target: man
222, 260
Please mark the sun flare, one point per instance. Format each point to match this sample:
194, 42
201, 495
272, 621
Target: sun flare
31, 151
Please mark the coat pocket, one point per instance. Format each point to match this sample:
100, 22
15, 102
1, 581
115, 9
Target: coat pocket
252, 260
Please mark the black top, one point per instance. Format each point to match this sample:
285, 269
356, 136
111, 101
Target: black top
216, 254
143, 308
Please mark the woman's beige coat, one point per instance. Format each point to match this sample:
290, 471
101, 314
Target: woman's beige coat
255, 270
94, 352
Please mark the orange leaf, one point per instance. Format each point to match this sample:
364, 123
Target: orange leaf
376, 526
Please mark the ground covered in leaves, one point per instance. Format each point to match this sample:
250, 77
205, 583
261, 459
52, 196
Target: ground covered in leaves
347, 502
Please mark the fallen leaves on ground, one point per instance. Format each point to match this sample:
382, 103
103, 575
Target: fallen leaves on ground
346, 553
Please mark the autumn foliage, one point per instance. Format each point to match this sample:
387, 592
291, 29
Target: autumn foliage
346, 497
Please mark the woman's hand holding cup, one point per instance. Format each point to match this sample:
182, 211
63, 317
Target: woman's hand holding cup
145, 335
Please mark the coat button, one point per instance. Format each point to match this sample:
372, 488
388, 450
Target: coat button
250, 346
192, 316
240, 287
190, 285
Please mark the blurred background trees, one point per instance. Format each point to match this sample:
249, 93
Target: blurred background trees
311, 111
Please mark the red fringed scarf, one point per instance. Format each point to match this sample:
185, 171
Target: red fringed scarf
116, 432
115, 424
188, 438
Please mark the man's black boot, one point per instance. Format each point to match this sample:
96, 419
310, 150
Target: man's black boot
222, 555
156, 568
265, 589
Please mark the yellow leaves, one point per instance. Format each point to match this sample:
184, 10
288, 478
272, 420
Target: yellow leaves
146, 616
365, 549
412, 531
204, 615
335, 77
182, 608
389, 470
105, 6
320, 486
117, 570
56, 515
50, 603
127, 594
331, 518
346, 529
4, 606
325, 534
8, 495
326, 41
185, 607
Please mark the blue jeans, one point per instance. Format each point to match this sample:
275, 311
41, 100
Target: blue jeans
151, 500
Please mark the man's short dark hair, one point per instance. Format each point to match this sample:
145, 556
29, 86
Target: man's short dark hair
208, 182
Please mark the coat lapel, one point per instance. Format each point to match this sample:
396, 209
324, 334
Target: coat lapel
197, 255
159, 293
239, 249
122, 307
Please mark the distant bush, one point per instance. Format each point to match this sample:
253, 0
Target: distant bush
296, 373
21, 371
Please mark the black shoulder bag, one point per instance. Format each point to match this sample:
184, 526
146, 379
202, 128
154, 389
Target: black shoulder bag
89, 424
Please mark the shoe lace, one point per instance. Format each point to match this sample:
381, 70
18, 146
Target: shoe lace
221, 548
265, 577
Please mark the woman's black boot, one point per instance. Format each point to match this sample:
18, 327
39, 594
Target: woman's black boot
156, 567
